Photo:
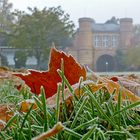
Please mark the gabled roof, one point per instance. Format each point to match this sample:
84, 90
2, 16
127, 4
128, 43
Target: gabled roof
106, 27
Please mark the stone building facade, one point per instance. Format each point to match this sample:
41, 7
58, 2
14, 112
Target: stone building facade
95, 44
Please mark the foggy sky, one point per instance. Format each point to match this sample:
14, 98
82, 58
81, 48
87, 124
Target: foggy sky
99, 10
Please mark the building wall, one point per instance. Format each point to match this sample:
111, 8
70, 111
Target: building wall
103, 47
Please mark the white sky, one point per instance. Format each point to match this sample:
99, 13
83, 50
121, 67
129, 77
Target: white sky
99, 10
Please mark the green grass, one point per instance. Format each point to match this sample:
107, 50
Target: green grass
94, 116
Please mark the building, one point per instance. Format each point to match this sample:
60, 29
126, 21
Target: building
95, 44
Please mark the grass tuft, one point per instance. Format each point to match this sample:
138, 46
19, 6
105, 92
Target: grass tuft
94, 116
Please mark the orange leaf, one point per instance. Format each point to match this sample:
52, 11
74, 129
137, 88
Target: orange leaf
49, 79
25, 105
5, 112
51, 101
125, 93
111, 85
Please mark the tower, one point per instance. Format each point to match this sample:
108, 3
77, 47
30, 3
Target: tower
126, 27
84, 41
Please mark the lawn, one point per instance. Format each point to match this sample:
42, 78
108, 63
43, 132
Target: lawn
93, 115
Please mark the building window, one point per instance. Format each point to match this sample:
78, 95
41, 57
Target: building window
97, 41
114, 41
106, 41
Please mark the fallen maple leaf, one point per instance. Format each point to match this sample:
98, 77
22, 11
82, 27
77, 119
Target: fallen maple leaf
129, 84
51, 101
49, 79
125, 93
111, 85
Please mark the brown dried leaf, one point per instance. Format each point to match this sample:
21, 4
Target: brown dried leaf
5, 114
55, 130
111, 85
68, 96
